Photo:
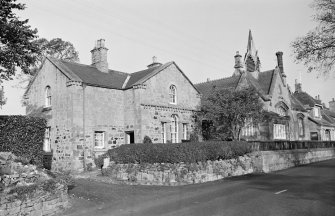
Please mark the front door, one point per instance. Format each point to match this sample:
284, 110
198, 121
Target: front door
130, 137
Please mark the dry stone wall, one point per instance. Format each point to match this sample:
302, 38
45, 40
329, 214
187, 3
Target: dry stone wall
179, 174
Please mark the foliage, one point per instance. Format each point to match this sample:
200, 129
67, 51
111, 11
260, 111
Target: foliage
189, 152
99, 161
225, 112
55, 48
147, 139
17, 48
23, 136
316, 49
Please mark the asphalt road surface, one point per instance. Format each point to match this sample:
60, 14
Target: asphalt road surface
304, 190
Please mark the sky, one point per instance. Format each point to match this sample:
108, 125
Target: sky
201, 36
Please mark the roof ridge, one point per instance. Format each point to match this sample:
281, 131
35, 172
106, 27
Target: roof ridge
215, 80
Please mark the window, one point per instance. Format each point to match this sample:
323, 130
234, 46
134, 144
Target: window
99, 139
248, 129
281, 111
47, 96
185, 132
327, 135
173, 94
174, 129
301, 126
279, 131
164, 132
47, 140
316, 112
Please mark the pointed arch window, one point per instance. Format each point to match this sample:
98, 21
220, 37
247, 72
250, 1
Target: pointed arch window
174, 129
173, 94
47, 96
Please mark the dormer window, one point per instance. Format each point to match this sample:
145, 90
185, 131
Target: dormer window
47, 96
316, 111
173, 94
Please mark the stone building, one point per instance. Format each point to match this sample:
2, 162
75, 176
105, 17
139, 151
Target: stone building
288, 117
91, 108
321, 121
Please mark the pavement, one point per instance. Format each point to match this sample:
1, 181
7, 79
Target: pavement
305, 190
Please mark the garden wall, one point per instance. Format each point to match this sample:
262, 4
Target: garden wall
283, 159
38, 203
181, 173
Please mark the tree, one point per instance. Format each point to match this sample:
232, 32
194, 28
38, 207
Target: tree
226, 112
316, 49
17, 48
56, 48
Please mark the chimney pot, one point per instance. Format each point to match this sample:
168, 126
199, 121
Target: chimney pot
154, 62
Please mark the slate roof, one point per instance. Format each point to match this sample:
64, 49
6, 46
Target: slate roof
306, 99
296, 104
225, 83
330, 113
90, 75
265, 79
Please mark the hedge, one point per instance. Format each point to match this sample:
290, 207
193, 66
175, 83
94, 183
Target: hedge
23, 136
189, 152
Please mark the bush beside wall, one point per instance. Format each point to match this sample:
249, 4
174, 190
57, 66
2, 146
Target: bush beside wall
23, 136
190, 152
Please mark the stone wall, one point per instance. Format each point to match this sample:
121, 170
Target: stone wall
181, 174
278, 160
36, 204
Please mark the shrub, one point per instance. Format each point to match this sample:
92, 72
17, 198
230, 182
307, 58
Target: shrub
23, 136
147, 140
189, 152
99, 161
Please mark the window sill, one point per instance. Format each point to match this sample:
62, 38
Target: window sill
100, 149
46, 109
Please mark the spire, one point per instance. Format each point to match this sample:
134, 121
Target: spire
251, 44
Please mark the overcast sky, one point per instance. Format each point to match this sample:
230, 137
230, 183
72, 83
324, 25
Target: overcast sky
201, 36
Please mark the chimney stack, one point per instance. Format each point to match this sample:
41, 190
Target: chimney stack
332, 105
297, 86
154, 62
99, 56
238, 64
279, 55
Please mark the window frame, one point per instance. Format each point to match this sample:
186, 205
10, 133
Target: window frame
301, 126
163, 124
102, 140
279, 132
47, 140
173, 94
174, 130
317, 112
47, 97
185, 131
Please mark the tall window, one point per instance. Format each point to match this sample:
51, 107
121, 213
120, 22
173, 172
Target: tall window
185, 132
164, 132
47, 140
99, 139
279, 131
173, 94
174, 129
301, 126
316, 112
248, 129
327, 135
47, 96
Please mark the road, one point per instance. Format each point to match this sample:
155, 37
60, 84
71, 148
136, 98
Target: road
304, 190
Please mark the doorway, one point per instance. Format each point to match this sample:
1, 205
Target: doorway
130, 137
